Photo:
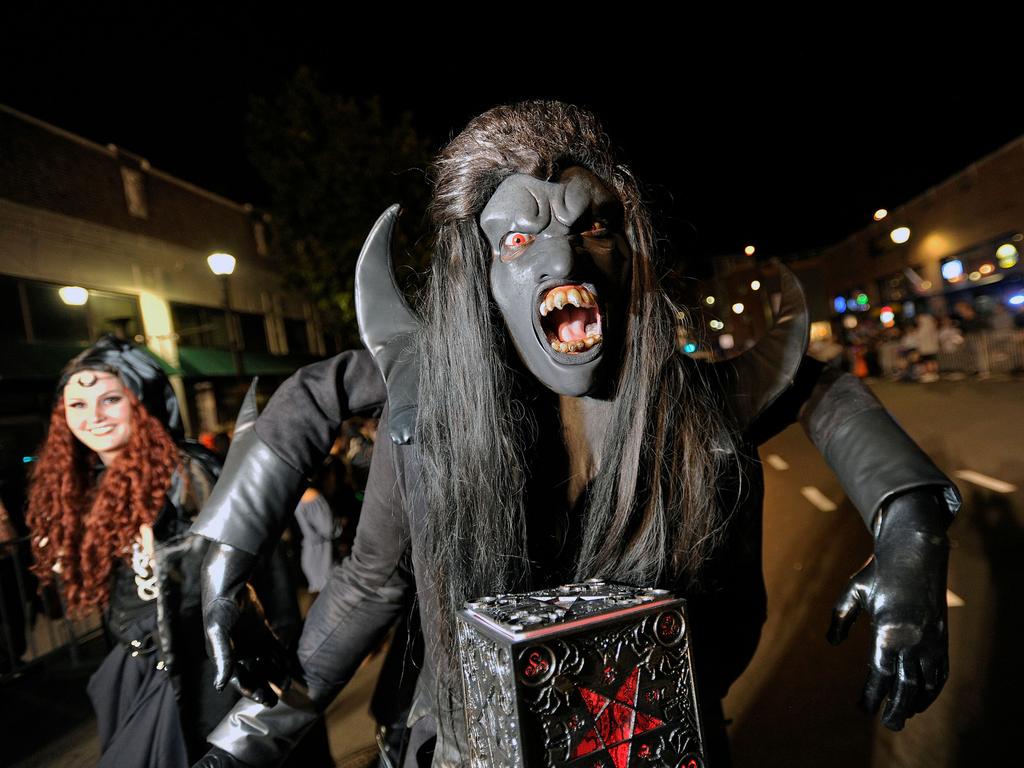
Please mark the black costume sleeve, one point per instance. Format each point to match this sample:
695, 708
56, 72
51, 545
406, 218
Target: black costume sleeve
303, 417
874, 459
267, 469
368, 590
364, 595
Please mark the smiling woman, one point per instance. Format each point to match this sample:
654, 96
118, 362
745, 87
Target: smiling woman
98, 410
112, 497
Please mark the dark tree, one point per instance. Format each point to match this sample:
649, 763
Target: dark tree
332, 165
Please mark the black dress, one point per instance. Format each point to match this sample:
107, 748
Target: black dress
153, 694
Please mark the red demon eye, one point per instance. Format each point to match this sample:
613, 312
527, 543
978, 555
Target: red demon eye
513, 245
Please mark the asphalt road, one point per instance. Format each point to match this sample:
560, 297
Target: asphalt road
796, 703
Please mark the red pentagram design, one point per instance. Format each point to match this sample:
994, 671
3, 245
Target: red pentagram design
616, 721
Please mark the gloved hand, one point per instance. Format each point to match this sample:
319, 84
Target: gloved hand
244, 649
903, 588
218, 758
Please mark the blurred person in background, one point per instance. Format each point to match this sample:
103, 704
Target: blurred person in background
928, 348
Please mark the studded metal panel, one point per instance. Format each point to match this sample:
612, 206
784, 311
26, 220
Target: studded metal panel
603, 678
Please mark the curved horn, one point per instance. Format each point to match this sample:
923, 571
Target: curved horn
248, 411
766, 370
381, 309
387, 326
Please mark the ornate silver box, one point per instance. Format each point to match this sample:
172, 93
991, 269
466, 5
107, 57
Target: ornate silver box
582, 676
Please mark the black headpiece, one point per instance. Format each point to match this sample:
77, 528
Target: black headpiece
139, 371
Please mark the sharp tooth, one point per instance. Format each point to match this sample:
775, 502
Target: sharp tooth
574, 297
588, 300
559, 299
578, 346
589, 341
563, 347
543, 309
550, 301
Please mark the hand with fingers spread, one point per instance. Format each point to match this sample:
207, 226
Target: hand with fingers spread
244, 649
903, 589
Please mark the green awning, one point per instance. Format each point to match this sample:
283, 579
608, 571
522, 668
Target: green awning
197, 362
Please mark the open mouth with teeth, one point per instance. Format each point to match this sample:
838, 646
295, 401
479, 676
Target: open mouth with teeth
571, 319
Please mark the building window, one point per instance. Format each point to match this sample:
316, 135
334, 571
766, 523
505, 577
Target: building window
254, 332
114, 313
259, 233
52, 319
34, 311
298, 338
198, 326
134, 192
12, 320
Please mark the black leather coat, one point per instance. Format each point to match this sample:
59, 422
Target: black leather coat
872, 456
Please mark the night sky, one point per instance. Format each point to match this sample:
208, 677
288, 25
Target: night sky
790, 147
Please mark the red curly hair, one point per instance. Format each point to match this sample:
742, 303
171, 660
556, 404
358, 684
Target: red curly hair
78, 527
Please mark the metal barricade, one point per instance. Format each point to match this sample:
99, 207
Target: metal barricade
27, 634
985, 353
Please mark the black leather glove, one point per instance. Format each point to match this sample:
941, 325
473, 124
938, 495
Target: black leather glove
218, 758
244, 649
903, 588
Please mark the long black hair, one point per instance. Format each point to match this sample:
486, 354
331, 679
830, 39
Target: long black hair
652, 515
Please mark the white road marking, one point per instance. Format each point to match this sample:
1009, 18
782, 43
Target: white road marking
999, 486
818, 499
953, 600
777, 462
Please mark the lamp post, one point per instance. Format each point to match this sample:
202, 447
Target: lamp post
223, 265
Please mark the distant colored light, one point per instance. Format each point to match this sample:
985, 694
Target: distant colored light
880, 214
900, 235
738, 308
709, 300
73, 295
862, 299
952, 269
1007, 255
840, 304
1017, 299
726, 341
986, 269
926, 285
221, 263
749, 250
690, 348
887, 316
850, 321
755, 285
27, 459
975, 275
909, 310
717, 325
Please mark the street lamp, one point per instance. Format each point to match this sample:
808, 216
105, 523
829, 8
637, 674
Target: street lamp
73, 295
900, 235
223, 265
